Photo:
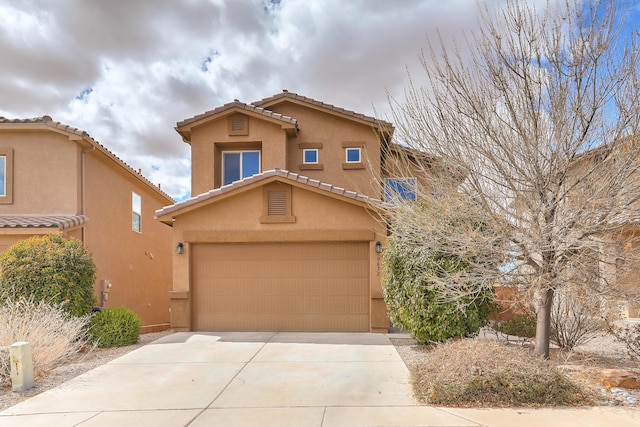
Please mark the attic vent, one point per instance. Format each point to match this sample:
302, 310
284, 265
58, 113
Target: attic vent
237, 124
277, 203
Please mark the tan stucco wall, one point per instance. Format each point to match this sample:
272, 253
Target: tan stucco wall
48, 175
281, 151
45, 173
211, 138
138, 265
331, 130
319, 217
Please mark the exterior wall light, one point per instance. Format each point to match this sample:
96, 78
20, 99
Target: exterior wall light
378, 247
180, 248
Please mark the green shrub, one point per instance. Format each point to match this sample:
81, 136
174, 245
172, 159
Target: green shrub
51, 269
114, 327
417, 307
521, 325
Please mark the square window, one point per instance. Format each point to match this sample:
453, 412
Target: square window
136, 212
353, 155
310, 156
397, 189
237, 165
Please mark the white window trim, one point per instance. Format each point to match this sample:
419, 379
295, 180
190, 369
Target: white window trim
240, 152
346, 154
304, 156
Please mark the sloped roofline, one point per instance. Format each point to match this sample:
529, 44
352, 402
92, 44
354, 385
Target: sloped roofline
184, 127
285, 95
168, 212
260, 108
58, 222
76, 134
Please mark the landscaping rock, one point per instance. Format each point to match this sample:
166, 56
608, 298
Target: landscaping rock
620, 379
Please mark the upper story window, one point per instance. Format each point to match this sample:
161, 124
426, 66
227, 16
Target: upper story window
136, 212
354, 154
6, 176
310, 156
237, 165
396, 189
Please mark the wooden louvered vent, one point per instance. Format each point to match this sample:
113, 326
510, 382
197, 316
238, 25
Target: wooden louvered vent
277, 203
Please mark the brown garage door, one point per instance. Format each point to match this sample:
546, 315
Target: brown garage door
280, 287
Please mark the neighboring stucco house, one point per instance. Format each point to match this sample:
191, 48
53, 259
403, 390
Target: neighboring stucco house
56, 178
280, 234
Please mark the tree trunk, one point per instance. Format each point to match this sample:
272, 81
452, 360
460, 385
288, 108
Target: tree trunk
543, 324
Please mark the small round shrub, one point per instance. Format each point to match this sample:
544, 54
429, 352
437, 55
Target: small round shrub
49, 268
114, 327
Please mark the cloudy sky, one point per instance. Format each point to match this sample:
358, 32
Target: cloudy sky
126, 71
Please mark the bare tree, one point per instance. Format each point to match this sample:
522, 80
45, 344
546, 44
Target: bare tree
540, 118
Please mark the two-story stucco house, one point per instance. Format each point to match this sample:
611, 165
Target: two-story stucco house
56, 178
280, 234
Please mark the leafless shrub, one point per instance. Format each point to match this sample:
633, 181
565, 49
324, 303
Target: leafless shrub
487, 373
629, 335
576, 318
55, 336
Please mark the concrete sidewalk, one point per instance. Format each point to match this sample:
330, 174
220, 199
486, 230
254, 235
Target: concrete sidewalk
268, 379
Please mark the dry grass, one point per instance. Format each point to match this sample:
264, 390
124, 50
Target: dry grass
55, 337
471, 373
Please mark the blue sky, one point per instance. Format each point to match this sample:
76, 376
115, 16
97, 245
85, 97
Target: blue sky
127, 71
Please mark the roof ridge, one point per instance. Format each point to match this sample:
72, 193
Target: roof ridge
242, 105
293, 95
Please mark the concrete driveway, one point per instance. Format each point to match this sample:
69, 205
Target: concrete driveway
264, 379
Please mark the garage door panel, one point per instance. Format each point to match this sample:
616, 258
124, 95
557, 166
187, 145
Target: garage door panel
281, 287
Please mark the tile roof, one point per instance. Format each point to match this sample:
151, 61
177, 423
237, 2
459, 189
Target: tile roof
290, 176
243, 106
49, 122
291, 95
60, 222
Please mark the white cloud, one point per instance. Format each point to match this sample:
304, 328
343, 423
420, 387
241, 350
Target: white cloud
127, 71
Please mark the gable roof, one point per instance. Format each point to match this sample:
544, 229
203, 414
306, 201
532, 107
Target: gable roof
75, 134
184, 127
285, 95
261, 109
274, 174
